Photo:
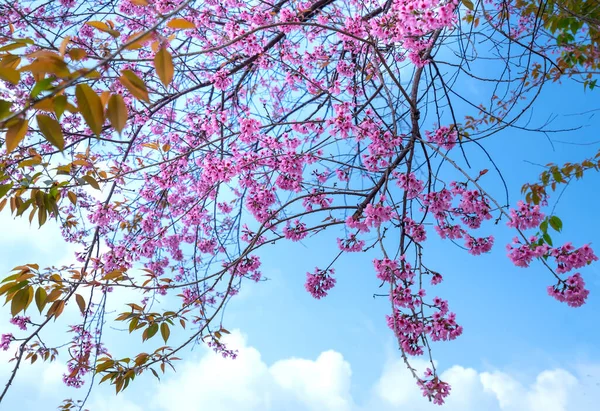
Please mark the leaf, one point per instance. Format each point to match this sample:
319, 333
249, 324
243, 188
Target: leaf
19, 301
60, 103
90, 106
10, 75
468, 4
140, 2
15, 134
180, 23
40, 298
5, 188
10, 61
51, 131
135, 85
113, 275
63, 45
80, 302
77, 54
72, 197
164, 331
151, 331
163, 62
143, 39
56, 309
42, 85
117, 112
103, 27
556, 223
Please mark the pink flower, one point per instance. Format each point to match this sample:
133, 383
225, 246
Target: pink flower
479, 245
572, 291
20, 322
5, 341
320, 282
525, 216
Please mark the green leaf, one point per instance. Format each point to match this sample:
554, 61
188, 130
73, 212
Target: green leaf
91, 181
19, 301
164, 331
5, 188
51, 131
469, 4
42, 85
548, 239
40, 298
556, 223
544, 226
152, 330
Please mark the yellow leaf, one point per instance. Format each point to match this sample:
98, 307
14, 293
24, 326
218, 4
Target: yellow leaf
91, 181
10, 61
113, 275
135, 85
139, 42
15, 134
77, 54
103, 27
181, 24
72, 197
10, 75
51, 131
163, 62
46, 104
104, 97
117, 112
19, 301
80, 302
63, 45
90, 106
139, 2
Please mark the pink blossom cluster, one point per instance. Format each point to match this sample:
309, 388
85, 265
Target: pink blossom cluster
569, 258
521, 255
409, 183
5, 341
409, 322
444, 136
351, 244
473, 208
220, 348
432, 387
83, 347
295, 232
320, 282
525, 216
415, 230
571, 291
20, 321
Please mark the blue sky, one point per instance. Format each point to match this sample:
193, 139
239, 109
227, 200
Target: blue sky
520, 350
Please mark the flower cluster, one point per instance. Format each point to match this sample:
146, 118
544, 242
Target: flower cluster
20, 321
319, 282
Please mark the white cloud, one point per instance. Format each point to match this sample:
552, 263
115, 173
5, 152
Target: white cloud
248, 383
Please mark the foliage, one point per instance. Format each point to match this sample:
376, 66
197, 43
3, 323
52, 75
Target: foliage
176, 142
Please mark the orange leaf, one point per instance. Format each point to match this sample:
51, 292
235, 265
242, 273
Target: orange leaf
181, 24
